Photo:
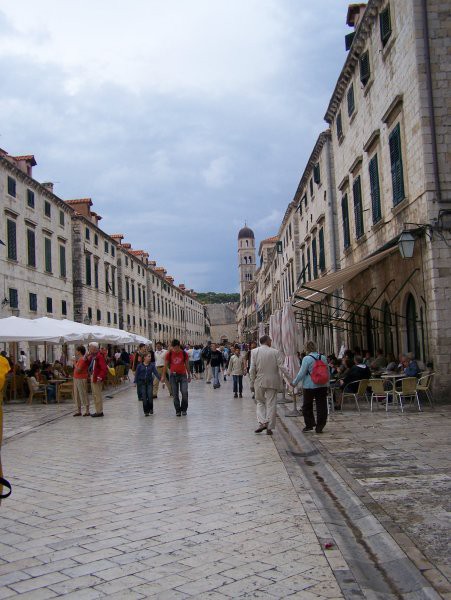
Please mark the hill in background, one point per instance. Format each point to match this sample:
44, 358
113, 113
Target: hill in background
216, 298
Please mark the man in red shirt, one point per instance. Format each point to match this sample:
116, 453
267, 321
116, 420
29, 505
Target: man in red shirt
177, 363
98, 369
81, 382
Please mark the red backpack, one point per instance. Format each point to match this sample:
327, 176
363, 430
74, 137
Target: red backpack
320, 372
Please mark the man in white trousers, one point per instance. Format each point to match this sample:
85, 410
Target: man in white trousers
264, 375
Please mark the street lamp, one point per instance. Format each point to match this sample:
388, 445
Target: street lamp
406, 244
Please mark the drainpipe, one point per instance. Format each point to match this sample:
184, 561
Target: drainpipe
427, 64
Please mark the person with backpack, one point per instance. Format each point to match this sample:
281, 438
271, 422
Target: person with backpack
177, 363
314, 375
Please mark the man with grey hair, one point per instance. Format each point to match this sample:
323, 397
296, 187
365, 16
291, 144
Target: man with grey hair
264, 375
98, 369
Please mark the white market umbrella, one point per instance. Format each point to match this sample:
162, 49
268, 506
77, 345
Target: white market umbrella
274, 330
17, 329
289, 343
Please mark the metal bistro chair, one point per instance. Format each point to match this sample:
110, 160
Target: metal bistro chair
406, 389
380, 390
359, 394
424, 387
65, 390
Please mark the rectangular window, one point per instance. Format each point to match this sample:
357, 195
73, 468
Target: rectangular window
113, 250
63, 272
49, 305
87, 234
311, 186
96, 274
47, 209
127, 290
33, 302
31, 248
62, 218
105, 246
108, 318
351, 100
64, 308
345, 220
134, 320
397, 175
90, 313
365, 69
126, 261
140, 322
314, 259
115, 319
139, 296
48, 255
113, 281
99, 315
322, 256
128, 319
303, 268
358, 207
339, 126
385, 25
317, 174
30, 198
12, 239
144, 299
96, 239
309, 266
107, 280
88, 277
375, 189
133, 293
13, 298
12, 187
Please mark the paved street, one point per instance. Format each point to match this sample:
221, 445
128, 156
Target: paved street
192, 507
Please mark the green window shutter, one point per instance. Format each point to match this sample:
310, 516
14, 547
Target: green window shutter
13, 298
30, 198
317, 174
12, 239
358, 208
314, 259
322, 256
385, 25
365, 69
33, 301
31, 248
309, 269
12, 187
339, 126
88, 277
397, 175
375, 189
62, 261
345, 218
48, 255
351, 100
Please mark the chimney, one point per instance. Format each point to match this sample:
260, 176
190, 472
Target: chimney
355, 14
118, 237
48, 185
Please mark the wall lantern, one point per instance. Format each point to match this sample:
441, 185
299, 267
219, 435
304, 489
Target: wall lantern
406, 244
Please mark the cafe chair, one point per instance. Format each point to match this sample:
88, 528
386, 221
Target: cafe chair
40, 393
424, 387
64, 390
380, 391
360, 394
406, 389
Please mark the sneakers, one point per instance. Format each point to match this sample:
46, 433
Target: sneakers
178, 414
235, 395
184, 413
306, 429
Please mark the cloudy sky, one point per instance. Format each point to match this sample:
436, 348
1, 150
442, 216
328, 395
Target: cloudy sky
181, 119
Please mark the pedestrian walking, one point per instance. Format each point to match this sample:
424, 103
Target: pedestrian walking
206, 355
81, 397
264, 375
314, 375
179, 376
237, 369
139, 356
160, 355
216, 362
226, 355
144, 375
252, 346
98, 370
197, 359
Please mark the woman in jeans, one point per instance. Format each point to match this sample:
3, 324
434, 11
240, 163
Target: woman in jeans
237, 368
216, 362
144, 374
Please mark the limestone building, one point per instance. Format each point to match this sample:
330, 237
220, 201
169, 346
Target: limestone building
223, 322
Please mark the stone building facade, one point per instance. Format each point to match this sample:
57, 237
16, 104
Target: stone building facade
223, 322
379, 172
58, 262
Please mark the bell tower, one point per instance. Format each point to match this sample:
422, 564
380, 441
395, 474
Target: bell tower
246, 258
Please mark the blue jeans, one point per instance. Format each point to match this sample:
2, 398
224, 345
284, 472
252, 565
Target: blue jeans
179, 382
237, 384
145, 393
215, 371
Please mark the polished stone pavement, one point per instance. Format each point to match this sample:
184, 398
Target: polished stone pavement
166, 507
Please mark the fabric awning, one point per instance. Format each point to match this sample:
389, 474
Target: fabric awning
327, 284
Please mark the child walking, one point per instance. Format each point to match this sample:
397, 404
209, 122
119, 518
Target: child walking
237, 368
144, 374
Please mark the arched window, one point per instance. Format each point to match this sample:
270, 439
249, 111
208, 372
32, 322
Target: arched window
411, 325
247, 242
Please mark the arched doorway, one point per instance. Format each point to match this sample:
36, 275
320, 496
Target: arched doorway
411, 326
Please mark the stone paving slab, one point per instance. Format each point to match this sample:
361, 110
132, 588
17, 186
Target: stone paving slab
164, 507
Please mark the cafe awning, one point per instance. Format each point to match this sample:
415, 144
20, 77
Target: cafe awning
319, 288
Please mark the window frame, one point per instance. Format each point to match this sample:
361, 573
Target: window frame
47, 255
358, 207
385, 25
396, 165
345, 221
365, 68
11, 239
375, 188
11, 187
31, 236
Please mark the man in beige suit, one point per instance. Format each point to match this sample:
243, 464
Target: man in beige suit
264, 375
